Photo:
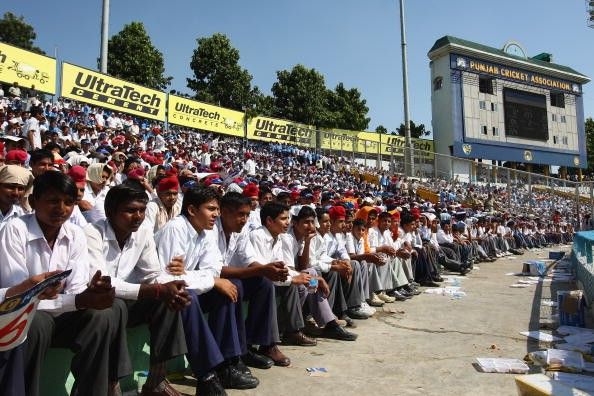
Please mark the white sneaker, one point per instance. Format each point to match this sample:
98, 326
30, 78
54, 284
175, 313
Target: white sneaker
367, 309
385, 298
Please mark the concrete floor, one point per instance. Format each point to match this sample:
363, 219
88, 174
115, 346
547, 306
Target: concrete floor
424, 346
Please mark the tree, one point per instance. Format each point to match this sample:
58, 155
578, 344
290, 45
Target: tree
590, 143
218, 77
300, 95
132, 56
381, 130
15, 31
347, 109
416, 131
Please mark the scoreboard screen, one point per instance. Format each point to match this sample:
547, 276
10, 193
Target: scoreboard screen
525, 115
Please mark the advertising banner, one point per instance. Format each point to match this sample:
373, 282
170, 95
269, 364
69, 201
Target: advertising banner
198, 115
281, 131
28, 69
102, 90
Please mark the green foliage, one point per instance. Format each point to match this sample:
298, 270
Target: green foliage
381, 130
347, 109
590, 143
15, 31
301, 95
416, 131
218, 77
132, 56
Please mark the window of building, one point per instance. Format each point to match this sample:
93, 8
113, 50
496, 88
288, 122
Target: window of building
555, 140
495, 131
563, 119
437, 83
554, 117
482, 105
493, 106
565, 140
486, 85
485, 130
557, 99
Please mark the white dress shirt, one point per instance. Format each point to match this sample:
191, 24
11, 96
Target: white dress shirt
97, 200
78, 218
267, 249
378, 238
136, 263
200, 251
238, 251
14, 212
442, 237
353, 246
25, 252
318, 256
336, 246
156, 215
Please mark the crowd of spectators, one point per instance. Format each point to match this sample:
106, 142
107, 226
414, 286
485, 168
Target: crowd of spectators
162, 225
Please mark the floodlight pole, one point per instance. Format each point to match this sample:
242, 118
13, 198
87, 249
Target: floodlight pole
408, 154
104, 33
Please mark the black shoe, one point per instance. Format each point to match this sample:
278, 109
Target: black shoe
349, 321
413, 291
355, 314
210, 386
243, 368
464, 270
401, 295
438, 279
338, 333
232, 378
255, 360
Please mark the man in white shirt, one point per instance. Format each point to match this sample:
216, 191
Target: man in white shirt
165, 206
32, 132
120, 247
214, 348
270, 244
14, 180
301, 235
85, 319
249, 167
252, 192
446, 242
356, 290
239, 262
392, 275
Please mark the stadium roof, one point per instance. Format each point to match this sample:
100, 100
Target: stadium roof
469, 46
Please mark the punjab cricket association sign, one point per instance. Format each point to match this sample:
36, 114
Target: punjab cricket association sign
102, 90
28, 69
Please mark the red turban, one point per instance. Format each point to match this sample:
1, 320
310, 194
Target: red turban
16, 155
168, 183
251, 190
416, 213
136, 174
337, 212
78, 174
395, 214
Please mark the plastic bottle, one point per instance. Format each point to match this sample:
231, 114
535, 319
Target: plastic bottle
312, 287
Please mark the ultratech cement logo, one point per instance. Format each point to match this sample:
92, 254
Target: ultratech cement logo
283, 131
96, 88
198, 115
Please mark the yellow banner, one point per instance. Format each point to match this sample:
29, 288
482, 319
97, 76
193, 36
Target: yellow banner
102, 90
28, 69
281, 131
194, 114
369, 142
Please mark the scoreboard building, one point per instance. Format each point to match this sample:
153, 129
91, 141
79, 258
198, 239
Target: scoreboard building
501, 105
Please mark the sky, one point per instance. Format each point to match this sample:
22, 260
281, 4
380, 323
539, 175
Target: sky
356, 42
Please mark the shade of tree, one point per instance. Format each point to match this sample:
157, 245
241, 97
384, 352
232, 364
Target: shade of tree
133, 57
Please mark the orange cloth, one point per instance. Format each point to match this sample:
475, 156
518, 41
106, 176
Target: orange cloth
363, 214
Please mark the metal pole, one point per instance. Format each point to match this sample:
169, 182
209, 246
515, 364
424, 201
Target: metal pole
104, 33
530, 191
577, 206
408, 160
508, 188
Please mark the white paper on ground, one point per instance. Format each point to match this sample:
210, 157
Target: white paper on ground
579, 381
580, 338
541, 336
519, 285
569, 330
563, 359
501, 365
548, 303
